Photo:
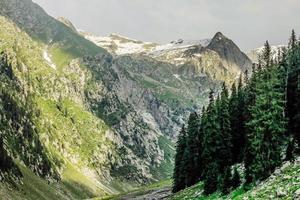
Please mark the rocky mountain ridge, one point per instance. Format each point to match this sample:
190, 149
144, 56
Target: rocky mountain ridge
218, 57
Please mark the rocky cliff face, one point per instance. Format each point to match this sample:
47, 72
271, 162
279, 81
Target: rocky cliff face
93, 119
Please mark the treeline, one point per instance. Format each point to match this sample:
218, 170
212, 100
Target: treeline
256, 123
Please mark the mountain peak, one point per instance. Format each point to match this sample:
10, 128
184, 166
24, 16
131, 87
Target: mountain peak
227, 49
67, 22
219, 36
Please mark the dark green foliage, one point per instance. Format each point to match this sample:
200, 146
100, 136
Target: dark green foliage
237, 121
211, 130
250, 96
179, 176
226, 181
225, 136
250, 126
192, 151
217, 141
293, 87
188, 159
293, 41
211, 178
236, 179
266, 55
290, 150
266, 124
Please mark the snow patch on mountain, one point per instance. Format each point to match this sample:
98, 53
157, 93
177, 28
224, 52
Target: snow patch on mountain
179, 45
118, 44
121, 45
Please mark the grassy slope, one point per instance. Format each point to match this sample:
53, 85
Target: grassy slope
166, 168
35, 188
61, 39
287, 182
71, 130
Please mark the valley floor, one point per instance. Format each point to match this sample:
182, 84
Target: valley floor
157, 194
156, 191
283, 184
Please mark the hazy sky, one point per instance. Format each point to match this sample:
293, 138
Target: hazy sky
247, 22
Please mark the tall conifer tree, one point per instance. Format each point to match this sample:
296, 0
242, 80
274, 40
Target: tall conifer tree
192, 150
179, 175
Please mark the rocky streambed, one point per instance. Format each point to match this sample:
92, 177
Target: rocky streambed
155, 194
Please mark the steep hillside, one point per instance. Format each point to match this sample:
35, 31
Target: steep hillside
81, 123
61, 40
46, 126
283, 184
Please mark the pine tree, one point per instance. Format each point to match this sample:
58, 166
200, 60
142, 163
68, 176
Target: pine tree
234, 121
293, 41
290, 151
266, 55
237, 124
211, 178
236, 179
179, 175
241, 107
293, 87
226, 181
199, 160
192, 150
211, 130
266, 125
250, 97
225, 139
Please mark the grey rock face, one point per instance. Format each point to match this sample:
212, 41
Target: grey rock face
229, 51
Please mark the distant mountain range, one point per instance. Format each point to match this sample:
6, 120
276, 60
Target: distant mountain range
120, 45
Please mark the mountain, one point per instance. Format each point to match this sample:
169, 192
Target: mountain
229, 51
80, 119
219, 57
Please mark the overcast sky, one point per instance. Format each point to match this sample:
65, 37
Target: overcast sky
247, 22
